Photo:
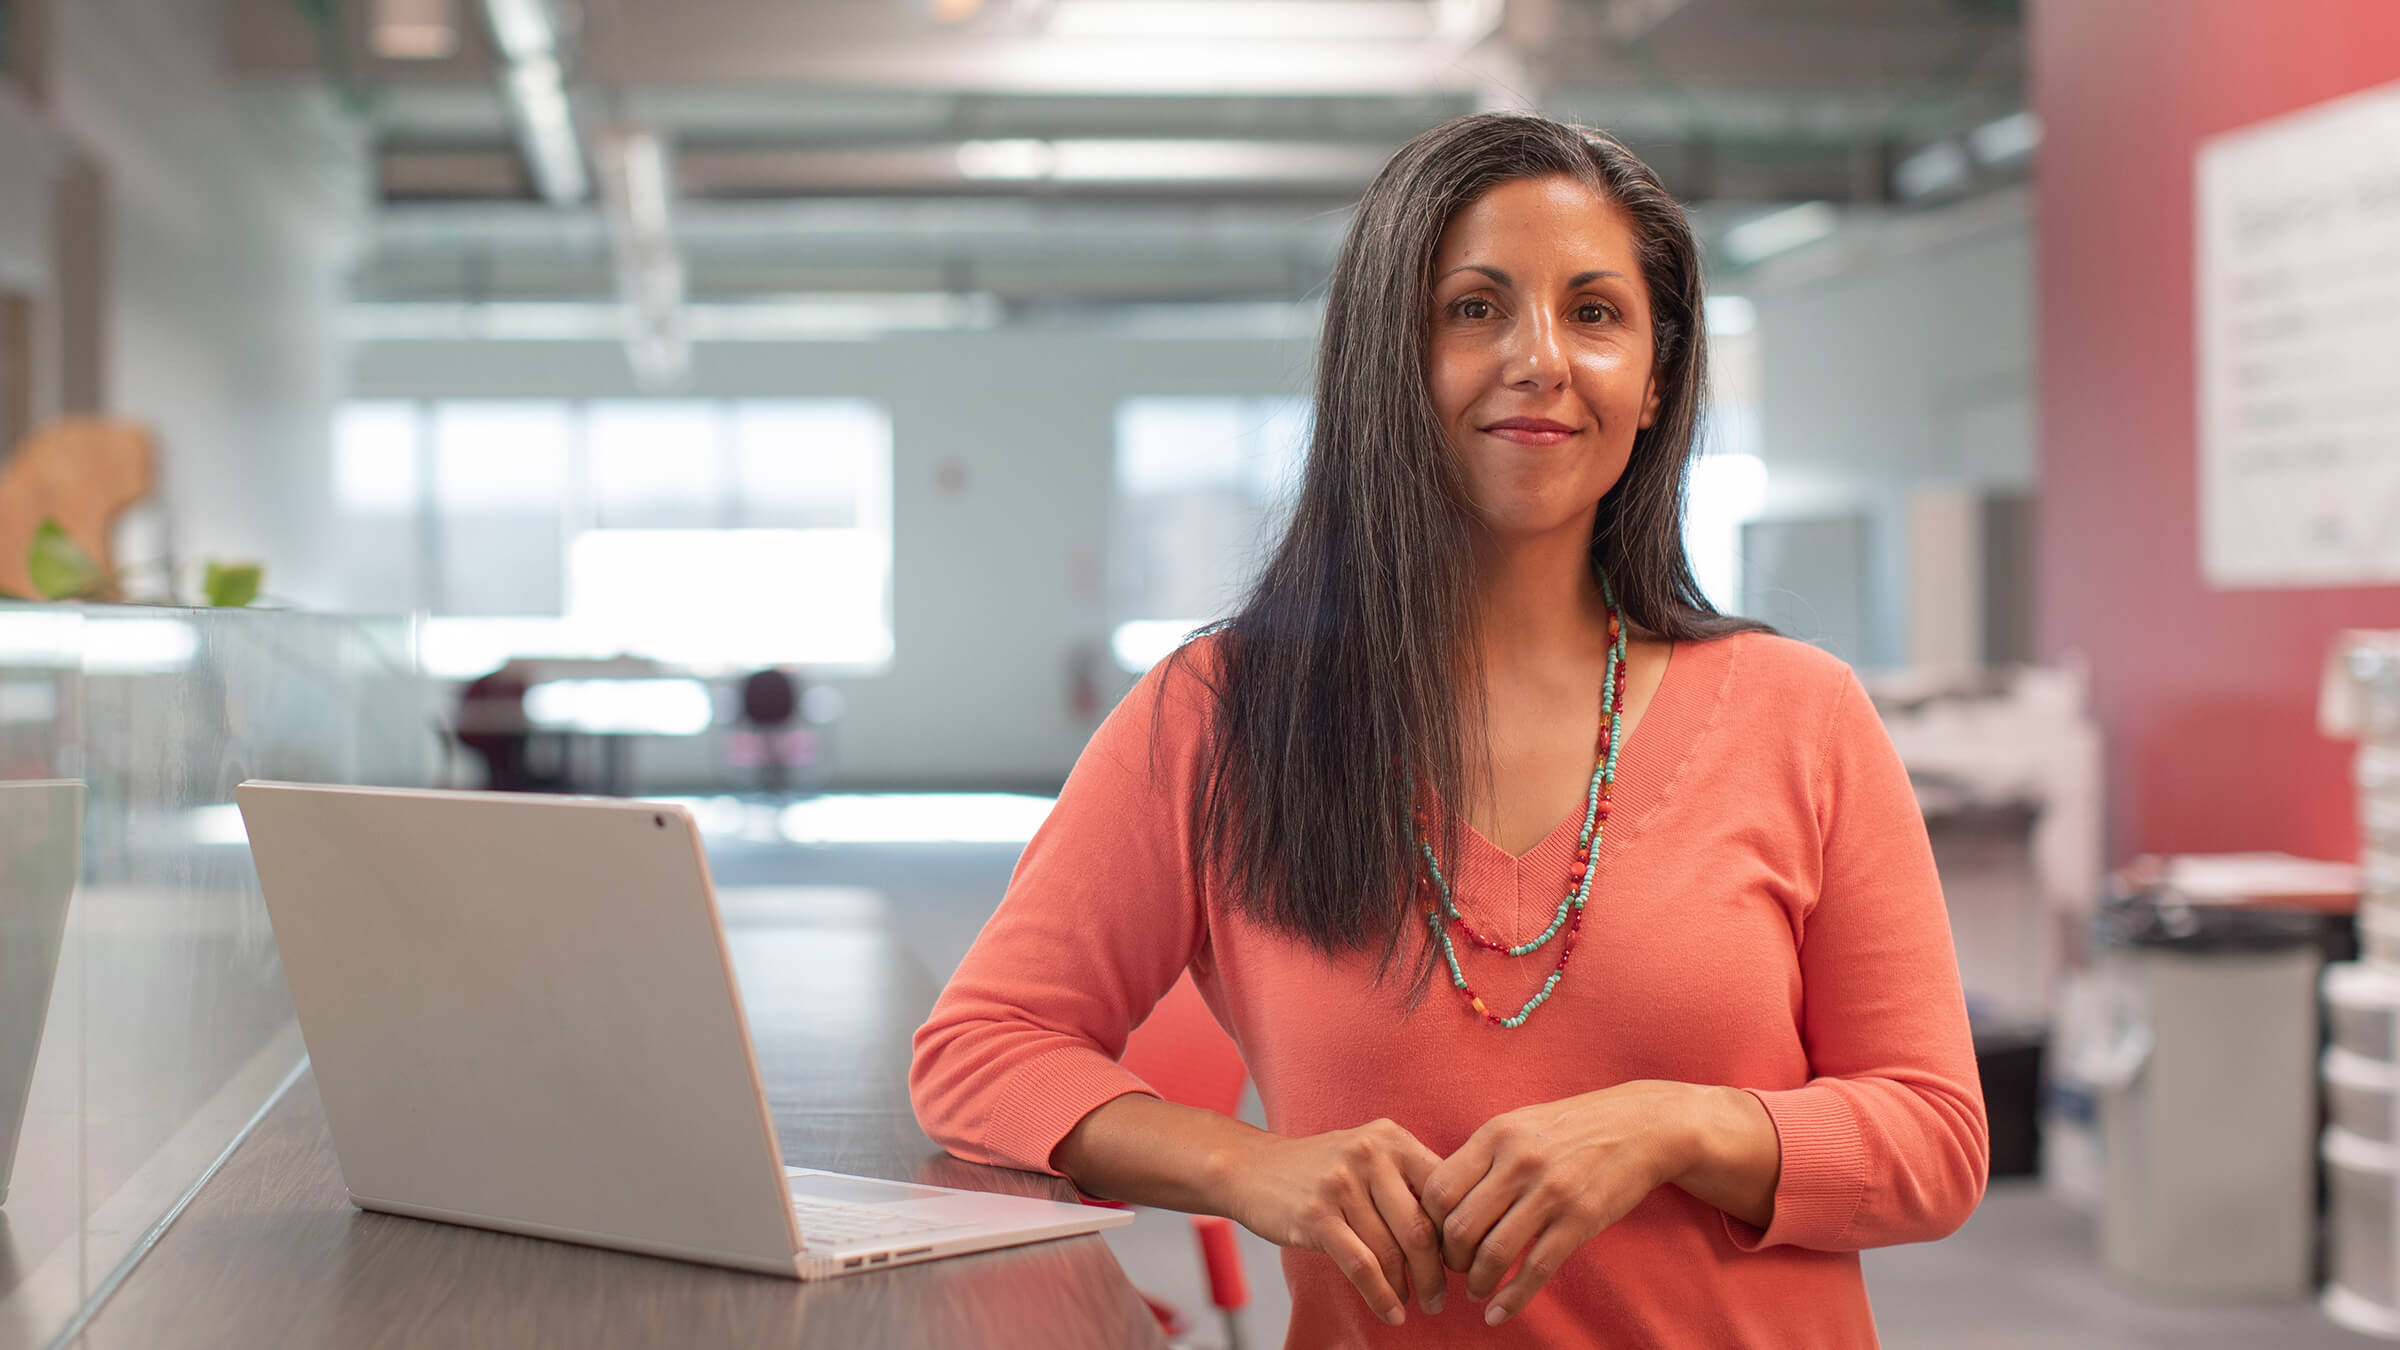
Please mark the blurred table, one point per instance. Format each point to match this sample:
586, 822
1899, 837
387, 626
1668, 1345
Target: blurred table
270, 1253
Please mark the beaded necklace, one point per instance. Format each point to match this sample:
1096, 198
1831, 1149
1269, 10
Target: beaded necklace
1579, 879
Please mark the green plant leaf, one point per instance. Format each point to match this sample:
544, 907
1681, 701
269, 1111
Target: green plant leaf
60, 569
232, 585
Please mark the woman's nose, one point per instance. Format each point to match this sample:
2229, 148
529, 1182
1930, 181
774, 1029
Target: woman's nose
1536, 358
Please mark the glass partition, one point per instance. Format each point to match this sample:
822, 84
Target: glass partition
143, 1016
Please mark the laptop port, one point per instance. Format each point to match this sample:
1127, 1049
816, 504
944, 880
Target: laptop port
854, 1263
913, 1251
879, 1258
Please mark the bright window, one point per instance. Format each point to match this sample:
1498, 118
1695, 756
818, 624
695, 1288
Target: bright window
501, 458
376, 459
720, 535
1203, 487
655, 463
1728, 487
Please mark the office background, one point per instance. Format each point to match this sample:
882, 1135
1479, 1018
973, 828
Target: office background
953, 357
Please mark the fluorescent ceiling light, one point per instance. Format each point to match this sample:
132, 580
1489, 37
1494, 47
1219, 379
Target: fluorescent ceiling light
526, 32
1759, 239
815, 317
1011, 159
1202, 161
868, 314
1934, 171
2012, 137
1388, 20
1118, 160
523, 30
1730, 316
546, 128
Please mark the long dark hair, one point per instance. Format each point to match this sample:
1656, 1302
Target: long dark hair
1343, 678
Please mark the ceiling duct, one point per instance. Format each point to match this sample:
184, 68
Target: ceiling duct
636, 195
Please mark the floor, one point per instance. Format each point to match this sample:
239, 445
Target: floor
2024, 1272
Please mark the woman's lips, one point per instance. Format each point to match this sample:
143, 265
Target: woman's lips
1530, 430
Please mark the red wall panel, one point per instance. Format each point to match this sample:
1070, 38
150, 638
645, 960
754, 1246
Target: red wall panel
2207, 698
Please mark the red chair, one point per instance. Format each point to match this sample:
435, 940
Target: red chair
1188, 1058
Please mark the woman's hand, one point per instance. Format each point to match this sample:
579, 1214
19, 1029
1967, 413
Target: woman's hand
1351, 1194
1541, 1181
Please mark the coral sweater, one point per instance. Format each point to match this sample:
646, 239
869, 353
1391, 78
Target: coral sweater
1765, 916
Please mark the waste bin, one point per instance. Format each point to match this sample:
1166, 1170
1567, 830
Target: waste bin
2207, 1098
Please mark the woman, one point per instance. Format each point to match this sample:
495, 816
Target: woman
1341, 810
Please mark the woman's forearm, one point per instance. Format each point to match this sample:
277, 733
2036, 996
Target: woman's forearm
1145, 1151
1734, 1156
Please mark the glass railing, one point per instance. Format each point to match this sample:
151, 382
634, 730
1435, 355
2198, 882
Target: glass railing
144, 1020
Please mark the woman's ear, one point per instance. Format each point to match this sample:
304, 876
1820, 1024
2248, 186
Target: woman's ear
1650, 401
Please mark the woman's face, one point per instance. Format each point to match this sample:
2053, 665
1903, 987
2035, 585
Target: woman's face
1539, 351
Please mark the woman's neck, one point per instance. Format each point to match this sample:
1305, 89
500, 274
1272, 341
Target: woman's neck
1538, 598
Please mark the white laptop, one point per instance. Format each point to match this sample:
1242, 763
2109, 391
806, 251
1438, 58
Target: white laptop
522, 1016
41, 850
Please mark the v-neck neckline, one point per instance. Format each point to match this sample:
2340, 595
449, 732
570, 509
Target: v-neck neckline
1514, 896
1573, 820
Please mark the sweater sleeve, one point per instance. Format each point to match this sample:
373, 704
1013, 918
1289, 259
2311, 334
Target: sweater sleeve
1099, 920
1887, 1142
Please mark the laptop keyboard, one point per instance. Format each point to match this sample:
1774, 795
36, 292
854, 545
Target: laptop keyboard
830, 1223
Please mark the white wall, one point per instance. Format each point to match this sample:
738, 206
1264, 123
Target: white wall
1899, 363
230, 211
994, 589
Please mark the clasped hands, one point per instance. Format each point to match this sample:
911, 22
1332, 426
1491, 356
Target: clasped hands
1526, 1189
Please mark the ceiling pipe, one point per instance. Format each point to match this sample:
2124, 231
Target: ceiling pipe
636, 189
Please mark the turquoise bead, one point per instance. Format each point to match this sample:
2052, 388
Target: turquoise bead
1604, 774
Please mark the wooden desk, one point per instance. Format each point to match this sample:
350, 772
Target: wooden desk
271, 1254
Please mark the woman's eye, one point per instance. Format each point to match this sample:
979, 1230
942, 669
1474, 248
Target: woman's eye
1592, 312
1473, 308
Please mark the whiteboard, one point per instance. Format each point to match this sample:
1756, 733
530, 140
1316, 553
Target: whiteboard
2297, 270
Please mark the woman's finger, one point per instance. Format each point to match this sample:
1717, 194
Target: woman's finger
1365, 1218
1542, 1260
1359, 1265
1417, 1164
1449, 1184
1464, 1232
1507, 1239
1420, 1242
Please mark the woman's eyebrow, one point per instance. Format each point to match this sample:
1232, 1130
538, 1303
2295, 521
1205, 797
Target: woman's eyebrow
1502, 278
1493, 272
